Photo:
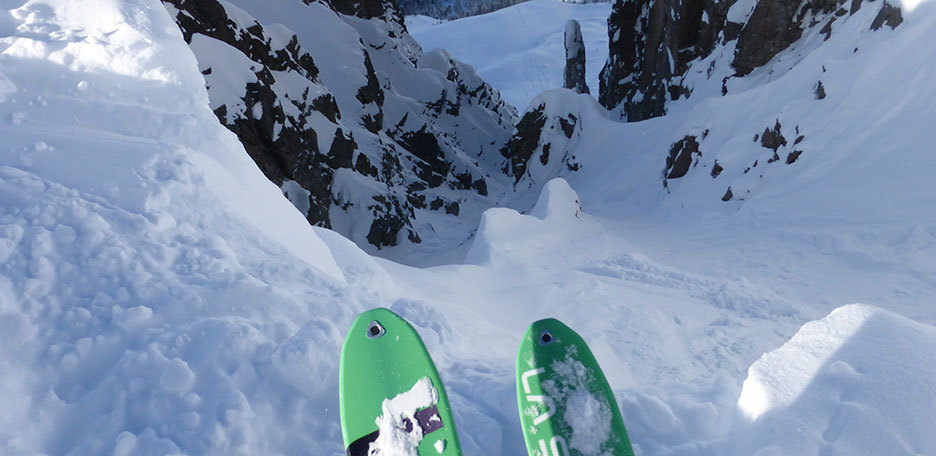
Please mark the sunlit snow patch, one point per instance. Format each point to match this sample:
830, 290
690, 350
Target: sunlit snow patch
399, 433
779, 377
909, 5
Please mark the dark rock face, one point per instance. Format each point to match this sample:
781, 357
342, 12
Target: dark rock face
645, 37
652, 42
293, 154
352, 149
575, 58
681, 157
453, 9
773, 139
367, 9
773, 26
776, 24
889, 15
524, 142
542, 144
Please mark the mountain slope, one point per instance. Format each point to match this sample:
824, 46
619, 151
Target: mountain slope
158, 295
364, 132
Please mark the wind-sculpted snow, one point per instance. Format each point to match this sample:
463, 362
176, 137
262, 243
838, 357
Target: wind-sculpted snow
147, 282
854, 382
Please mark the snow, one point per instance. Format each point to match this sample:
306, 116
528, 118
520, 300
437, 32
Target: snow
520, 50
847, 391
393, 440
159, 296
588, 417
572, 47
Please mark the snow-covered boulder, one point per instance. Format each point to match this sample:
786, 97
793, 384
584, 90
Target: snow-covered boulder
502, 233
557, 201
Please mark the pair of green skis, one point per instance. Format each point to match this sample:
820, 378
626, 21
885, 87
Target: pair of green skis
393, 402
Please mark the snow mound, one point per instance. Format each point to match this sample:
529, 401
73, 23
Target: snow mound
557, 201
859, 381
504, 233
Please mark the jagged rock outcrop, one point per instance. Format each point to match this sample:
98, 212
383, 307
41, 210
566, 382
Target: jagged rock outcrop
453, 9
575, 58
340, 107
543, 143
653, 42
774, 25
367, 9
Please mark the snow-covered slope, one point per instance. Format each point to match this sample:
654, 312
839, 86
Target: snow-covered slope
520, 50
339, 106
158, 295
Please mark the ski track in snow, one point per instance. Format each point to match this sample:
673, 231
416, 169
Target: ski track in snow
159, 296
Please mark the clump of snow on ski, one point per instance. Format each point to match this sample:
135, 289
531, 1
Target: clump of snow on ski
398, 414
588, 416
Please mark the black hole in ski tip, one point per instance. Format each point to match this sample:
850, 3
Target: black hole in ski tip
375, 330
546, 338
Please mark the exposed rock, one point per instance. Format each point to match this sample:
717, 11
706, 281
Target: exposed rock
820, 91
575, 58
771, 28
680, 158
453, 9
793, 156
651, 43
548, 131
728, 195
367, 9
889, 15
524, 141
773, 139
716, 169
337, 143
568, 125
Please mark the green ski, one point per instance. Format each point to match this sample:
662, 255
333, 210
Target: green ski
392, 400
566, 405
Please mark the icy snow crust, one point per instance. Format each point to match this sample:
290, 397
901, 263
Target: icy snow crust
159, 296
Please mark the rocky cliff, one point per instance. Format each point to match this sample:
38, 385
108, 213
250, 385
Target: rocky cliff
653, 43
340, 107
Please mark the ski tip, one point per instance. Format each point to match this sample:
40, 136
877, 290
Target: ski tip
548, 331
373, 324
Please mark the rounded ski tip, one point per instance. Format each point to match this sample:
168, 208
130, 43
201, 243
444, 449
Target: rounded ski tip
547, 331
375, 324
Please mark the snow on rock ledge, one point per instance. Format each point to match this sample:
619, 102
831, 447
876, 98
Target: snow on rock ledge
859, 381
